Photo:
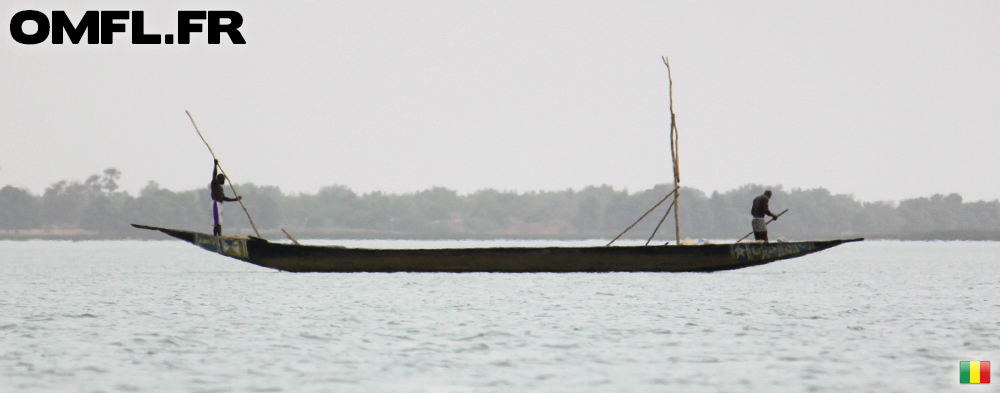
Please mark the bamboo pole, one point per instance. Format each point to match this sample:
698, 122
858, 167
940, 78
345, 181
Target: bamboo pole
665, 215
224, 174
765, 224
674, 149
289, 235
643, 216
674, 143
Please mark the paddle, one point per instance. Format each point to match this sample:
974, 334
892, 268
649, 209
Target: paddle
238, 199
765, 224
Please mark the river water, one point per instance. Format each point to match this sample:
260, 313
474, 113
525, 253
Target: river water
160, 316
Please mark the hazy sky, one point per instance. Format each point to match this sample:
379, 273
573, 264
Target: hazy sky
885, 100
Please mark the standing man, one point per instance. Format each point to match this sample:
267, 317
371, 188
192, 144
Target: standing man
219, 196
759, 210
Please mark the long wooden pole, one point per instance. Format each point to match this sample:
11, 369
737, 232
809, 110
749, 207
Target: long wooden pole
765, 224
660, 223
674, 149
224, 174
289, 235
643, 216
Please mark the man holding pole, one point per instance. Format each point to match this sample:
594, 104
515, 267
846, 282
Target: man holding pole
219, 196
760, 209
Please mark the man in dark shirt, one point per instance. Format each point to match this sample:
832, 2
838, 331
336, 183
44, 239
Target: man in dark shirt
758, 211
218, 196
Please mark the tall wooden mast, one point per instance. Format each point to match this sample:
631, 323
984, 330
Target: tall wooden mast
677, 175
673, 153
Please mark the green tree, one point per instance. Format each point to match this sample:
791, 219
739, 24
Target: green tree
101, 216
18, 209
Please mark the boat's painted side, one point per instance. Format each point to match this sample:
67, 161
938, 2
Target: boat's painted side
694, 258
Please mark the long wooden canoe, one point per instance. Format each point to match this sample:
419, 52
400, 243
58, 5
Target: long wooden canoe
693, 258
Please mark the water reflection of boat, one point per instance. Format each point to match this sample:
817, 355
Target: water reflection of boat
673, 258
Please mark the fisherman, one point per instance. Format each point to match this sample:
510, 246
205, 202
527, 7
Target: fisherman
219, 196
759, 210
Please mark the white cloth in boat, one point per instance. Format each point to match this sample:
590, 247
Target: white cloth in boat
759, 224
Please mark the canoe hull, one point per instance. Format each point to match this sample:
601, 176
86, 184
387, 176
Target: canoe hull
694, 258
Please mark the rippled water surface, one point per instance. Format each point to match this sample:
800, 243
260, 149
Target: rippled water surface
166, 316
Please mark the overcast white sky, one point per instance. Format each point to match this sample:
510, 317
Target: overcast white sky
884, 100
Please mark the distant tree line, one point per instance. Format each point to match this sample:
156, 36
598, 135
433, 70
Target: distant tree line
97, 205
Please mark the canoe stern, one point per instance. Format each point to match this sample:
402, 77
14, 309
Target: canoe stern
230, 247
233, 247
760, 252
756, 253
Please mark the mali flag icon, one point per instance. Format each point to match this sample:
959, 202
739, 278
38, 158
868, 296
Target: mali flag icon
974, 372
